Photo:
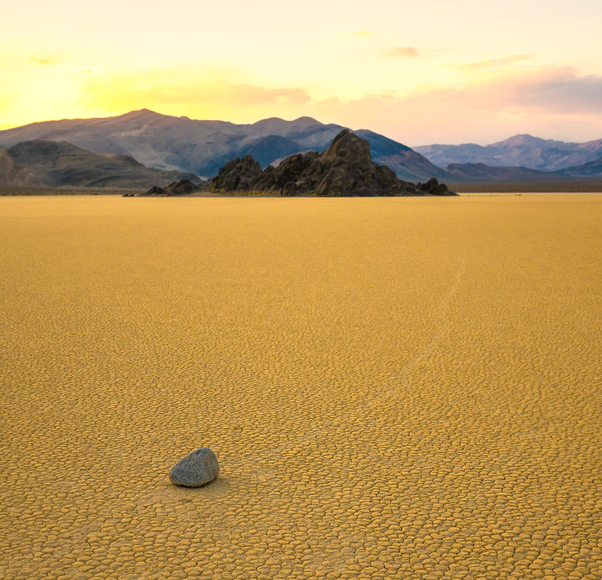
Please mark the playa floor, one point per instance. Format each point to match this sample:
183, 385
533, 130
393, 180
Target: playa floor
394, 388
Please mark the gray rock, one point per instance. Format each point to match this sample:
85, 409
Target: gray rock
196, 469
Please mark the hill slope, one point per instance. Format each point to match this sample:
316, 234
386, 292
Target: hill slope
202, 147
479, 172
52, 164
588, 170
408, 164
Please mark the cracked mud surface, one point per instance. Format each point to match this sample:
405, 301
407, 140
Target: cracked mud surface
394, 388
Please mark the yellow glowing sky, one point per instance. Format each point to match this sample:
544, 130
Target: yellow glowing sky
419, 72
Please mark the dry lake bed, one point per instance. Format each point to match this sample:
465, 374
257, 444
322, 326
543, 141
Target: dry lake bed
394, 388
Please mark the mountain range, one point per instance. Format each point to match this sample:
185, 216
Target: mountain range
518, 151
203, 147
185, 146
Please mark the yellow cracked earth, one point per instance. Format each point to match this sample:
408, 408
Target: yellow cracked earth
395, 388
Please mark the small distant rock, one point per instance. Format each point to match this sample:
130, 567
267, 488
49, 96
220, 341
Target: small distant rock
196, 469
433, 187
182, 187
155, 190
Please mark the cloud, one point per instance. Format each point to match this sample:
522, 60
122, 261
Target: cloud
41, 60
404, 51
253, 95
361, 33
545, 101
549, 102
243, 95
186, 93
84, 70
493, 63
560, 90
536, 90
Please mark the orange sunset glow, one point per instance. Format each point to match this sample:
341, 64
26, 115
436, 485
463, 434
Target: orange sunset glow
418, 73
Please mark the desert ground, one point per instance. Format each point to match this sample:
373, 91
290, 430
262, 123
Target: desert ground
394, 387
576, 186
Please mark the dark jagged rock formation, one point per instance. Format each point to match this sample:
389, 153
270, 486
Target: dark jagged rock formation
238, 174
155, 190
182, 187
344, 169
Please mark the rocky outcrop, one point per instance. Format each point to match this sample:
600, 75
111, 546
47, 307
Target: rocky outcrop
182, 187
344, 169
155, 190
196, 469
238, 174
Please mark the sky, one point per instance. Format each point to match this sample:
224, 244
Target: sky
419, 72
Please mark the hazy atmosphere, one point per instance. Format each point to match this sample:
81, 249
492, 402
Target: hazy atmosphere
420, 73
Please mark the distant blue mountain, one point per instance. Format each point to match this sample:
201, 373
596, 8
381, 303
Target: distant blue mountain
518, 151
